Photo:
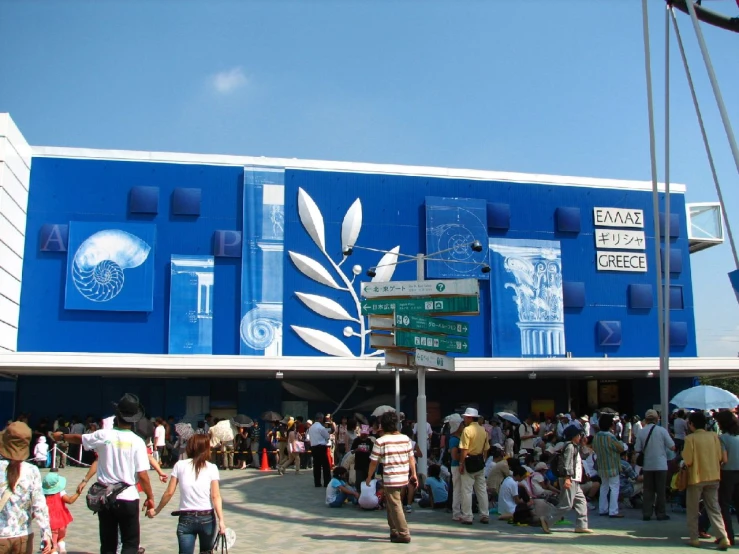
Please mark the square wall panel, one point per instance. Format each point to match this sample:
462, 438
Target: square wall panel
674, 225
609, 333
53, 237
186, 201
573, 294
568, 220
676, 260
678, 333
143, 200
641, 297
499, 215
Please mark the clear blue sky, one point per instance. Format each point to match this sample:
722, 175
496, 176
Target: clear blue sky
544, 86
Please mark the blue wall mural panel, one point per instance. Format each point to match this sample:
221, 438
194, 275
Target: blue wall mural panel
455, 223
110, 267
526, 294
263, 235
191, 305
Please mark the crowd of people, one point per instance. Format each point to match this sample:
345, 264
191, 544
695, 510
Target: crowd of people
525, 473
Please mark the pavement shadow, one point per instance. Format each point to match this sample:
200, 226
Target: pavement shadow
349, 538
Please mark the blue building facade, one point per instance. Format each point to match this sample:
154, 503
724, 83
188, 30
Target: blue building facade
146, 257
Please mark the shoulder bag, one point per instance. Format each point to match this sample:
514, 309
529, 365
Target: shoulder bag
103, 497
640, 456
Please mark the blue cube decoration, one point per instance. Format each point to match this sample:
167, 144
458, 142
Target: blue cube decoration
674, 225
676, 260
186, 201
734, 280
573, 294
609, 333
568, 220
499, 215
641, 297
676, 298
143, 200
227, 244
678, 333
53, 237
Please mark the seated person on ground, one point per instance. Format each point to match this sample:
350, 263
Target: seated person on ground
338, 490
511, 496
436, 489
368, 499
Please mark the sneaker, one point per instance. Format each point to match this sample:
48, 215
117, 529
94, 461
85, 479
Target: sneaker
485, 520
400, 540
591, 506
408, 510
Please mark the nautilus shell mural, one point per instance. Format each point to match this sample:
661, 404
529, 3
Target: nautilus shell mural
101, 267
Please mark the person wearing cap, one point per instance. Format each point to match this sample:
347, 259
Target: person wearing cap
571, 495
585, 423
59, 515
122, 458
293, 456
703, 458
654, 442
21, 494
608, 448
473, 448
562, 422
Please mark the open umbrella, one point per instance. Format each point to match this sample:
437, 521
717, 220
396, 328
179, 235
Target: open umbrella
271, 416
242, 421
223, 431
509, 417
607, 411
382, 410
360, 418
705, 397
184, 430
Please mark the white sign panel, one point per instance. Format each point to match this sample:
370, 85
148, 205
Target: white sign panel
435, 361
432, 287
623, 240
634, 262
618, 217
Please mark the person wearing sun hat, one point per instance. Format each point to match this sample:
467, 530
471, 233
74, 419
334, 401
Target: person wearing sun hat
57, 499
122, 458
21, 496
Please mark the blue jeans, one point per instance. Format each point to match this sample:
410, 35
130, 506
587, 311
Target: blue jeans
202, 527
340, 499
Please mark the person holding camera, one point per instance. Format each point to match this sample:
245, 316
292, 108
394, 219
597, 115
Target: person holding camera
395, 452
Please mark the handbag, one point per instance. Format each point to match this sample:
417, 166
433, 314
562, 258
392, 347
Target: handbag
640, 456
222, 543
682, 479
103, 497
297, 447
473, 464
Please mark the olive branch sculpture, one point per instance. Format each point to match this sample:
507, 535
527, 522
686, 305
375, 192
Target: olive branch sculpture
312, 220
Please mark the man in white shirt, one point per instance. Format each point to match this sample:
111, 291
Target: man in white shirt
429, 431
319, 437
122, 459
681, 429
526, 432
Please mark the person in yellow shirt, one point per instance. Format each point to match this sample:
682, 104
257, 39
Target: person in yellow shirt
473, 448
703, 457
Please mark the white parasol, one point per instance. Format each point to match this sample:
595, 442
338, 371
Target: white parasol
509, 417
184, 430
222, 431
382, 410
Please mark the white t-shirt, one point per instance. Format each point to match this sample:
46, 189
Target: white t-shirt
429, 431
195, 492
368, 497
159, 434
508, 489
524, 430
121, 455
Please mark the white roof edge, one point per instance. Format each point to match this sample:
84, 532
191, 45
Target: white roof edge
162, 365
353, 167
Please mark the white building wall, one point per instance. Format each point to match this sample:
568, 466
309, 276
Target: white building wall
15, 176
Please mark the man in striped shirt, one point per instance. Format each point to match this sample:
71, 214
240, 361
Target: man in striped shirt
395, 452
608, 448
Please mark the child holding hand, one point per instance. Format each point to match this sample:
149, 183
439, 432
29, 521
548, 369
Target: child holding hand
59, 515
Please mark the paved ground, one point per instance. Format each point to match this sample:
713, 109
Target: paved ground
287, 514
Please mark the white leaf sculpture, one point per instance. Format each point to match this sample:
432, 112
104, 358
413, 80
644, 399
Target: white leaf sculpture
352, 224
385, 269
311, 268
325, 306
323, 342
311, 218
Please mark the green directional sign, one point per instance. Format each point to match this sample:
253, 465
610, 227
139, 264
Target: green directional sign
431, 324
460, 305
408, 339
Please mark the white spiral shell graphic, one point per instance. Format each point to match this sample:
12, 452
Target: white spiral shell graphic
260, 325
97, 270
